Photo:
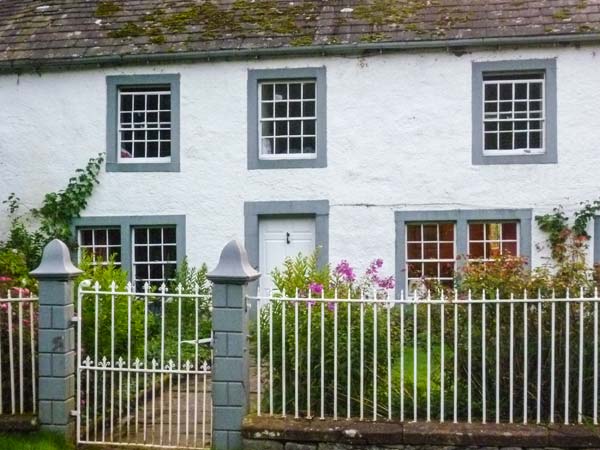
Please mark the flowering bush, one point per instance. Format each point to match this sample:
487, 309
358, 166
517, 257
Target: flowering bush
14, 274
335, 344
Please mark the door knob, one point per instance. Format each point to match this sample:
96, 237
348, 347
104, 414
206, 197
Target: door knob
287, 237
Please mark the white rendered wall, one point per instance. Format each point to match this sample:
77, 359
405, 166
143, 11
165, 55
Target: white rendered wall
399, 137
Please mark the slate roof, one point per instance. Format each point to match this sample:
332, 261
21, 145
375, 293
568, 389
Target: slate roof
45, 32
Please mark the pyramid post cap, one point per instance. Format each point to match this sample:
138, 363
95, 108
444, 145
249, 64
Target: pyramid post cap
233, 266
56, 263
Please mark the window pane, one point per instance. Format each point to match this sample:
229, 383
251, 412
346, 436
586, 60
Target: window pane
491, 141
446, 251
430, 232
155, 235
491, 92
476, 231
430, 251
309, 145
281, 145
281, 91
509, 248
308, 91
476, 250
295, 145
295, 91
509, 230
413, 232
413, 251
309, 109
266, 110
446, 232
267, 91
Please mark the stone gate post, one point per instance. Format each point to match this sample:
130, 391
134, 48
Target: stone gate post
56, 338
230, 371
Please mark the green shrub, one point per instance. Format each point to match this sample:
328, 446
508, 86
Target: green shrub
97, 322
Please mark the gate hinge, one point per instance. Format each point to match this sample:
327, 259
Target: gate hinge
74, 412
75, 319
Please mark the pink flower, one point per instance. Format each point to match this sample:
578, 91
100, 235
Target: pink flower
20, 291
4, 279
330, 306
373, 274
345, 271
316, 288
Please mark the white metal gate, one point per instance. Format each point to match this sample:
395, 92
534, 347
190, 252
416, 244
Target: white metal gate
143, 373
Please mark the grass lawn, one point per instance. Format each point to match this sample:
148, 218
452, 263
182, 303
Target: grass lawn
33, 441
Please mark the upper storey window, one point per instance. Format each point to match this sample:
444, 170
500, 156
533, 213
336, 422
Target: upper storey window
514, 112
287, 118
143, 123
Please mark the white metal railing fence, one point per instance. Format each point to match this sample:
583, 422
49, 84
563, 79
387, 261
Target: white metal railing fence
143, 367
528, 360
18, 353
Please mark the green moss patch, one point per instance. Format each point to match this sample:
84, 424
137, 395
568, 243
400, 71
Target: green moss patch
259, 16
107, 9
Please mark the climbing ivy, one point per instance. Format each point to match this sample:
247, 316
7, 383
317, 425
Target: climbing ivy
563, 237
31, 231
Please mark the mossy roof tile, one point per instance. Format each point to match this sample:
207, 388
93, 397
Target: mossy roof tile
42, 30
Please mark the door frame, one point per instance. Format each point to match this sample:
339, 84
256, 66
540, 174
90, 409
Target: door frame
254, 211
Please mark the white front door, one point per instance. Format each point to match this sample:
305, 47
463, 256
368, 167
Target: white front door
280, 239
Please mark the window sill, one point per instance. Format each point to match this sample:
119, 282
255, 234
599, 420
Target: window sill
143, 167
287, 163
480, 158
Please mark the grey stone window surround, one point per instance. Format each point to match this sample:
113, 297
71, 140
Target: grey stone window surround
254, 211
126, 223
479, 69
113, 83
596, 240
461, 217
254, 77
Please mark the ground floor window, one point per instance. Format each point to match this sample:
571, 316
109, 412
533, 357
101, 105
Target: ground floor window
149, 248
431, 245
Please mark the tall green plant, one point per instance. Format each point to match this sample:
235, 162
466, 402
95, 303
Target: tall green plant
105, 316
31, 231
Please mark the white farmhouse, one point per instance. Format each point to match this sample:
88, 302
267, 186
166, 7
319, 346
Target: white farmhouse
411, 130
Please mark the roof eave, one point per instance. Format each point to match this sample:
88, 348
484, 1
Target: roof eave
29, 65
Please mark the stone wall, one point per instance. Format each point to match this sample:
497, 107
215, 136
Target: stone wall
266, 433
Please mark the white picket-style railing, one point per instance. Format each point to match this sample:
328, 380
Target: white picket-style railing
517, 359
143, 367
18, 353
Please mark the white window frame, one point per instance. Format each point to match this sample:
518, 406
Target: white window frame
158, 129
261, 120
542, 118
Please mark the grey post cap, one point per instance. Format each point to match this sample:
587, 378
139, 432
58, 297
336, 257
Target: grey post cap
233, 267
56, 263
